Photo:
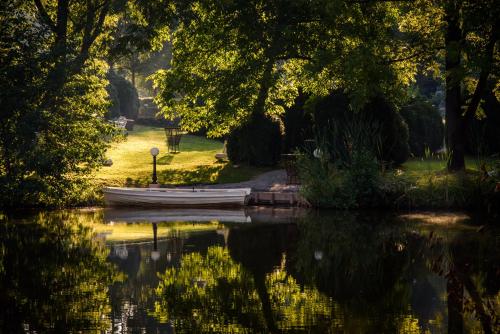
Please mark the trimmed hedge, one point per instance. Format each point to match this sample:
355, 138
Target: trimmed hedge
425, 127
256, 142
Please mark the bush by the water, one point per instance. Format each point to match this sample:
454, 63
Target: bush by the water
364, 185
326, 185
425, 125
335, 122
256, 142
123, 96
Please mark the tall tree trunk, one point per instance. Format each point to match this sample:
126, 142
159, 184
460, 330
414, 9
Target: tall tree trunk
455, 121
60, 46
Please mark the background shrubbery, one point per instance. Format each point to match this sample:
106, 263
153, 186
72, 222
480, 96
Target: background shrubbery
425, 125
298, 125
334, 112
256, 142
123, 96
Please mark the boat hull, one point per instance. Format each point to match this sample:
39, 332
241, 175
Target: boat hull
157, 197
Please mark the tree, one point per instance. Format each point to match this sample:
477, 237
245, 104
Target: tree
464, 35
238, 58
53, 96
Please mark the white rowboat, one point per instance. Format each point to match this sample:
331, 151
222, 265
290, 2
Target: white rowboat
157, 197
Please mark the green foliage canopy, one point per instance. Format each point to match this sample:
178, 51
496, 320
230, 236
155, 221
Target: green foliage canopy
235, 58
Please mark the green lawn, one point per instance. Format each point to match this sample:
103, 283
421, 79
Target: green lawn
423, 168
195, 164
435, 165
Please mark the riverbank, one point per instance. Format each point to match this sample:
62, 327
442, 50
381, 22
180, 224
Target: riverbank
417, 184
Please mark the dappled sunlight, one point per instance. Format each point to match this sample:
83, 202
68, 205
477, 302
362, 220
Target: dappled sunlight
249, 166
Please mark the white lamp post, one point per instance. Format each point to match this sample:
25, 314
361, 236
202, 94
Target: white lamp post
154, 152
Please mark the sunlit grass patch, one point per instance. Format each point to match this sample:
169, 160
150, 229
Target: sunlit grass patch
421, 165
194, 164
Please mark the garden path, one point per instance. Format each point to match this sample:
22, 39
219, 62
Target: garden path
270, 181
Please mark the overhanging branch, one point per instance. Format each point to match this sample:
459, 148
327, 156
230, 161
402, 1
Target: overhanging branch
44, 15
483, 75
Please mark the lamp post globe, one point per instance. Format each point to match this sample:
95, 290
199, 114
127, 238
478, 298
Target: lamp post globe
154, 151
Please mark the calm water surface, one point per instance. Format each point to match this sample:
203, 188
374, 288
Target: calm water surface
264, 271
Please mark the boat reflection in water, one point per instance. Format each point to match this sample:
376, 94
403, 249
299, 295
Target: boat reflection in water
176, 215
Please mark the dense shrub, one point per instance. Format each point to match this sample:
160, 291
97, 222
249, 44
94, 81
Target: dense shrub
426, 129
326, 185
46, 154
335, 124
123, 95
298, 125
256, 142
393, 130
363, 185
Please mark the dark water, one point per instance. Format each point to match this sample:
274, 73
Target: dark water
284, 272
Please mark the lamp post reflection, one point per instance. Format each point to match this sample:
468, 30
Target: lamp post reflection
155, 254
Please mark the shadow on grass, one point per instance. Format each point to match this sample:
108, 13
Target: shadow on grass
165, 160
193, 143
212, 174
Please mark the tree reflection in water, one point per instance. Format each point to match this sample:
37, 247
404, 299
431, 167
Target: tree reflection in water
338, 272
345, 272
54, 276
